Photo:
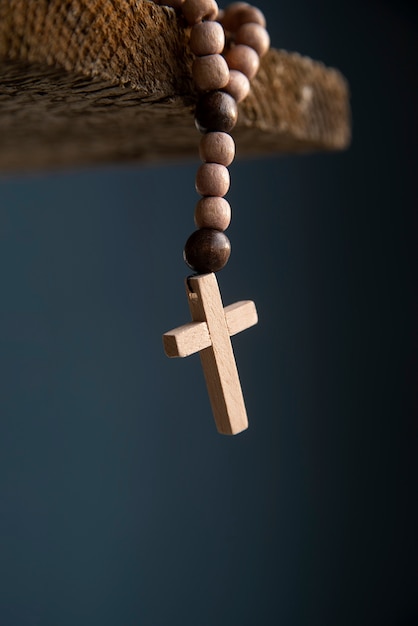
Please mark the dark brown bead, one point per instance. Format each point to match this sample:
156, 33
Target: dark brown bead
207, 250
216, 111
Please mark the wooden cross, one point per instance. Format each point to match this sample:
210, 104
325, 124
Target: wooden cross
209, 334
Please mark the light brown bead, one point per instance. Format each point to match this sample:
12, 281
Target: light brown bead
210, 72
255, 36
239, 13
195, 11
230, 15
212, 212
238, 85
251, 15
212, 179
217, 148
207, 38
244, 59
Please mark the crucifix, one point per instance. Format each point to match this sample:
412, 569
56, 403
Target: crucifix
209, 334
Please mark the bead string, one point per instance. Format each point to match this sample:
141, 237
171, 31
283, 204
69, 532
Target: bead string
222, 75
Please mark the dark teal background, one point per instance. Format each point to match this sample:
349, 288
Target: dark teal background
120, 504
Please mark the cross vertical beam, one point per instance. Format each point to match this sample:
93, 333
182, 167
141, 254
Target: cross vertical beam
209, 333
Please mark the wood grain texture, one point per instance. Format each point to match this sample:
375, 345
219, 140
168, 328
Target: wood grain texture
209, 334
186, 340
93, 81
194, 336
240, 316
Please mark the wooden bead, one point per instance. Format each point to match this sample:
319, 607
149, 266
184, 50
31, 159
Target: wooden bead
216, 111
210, 72
238, 85
212, 212
251, 15
239, 13
255, 36
212, 179
207, 38
244, 59
207, 250
230, 15
217, 148
195, 11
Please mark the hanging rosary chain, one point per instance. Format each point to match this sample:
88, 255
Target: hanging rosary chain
227, 46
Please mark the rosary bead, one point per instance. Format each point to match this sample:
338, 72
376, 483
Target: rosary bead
239, 13
217, 148
210, 72
212, 179
251, 15
207, 250
195, 11
212, 212
216, 111
244, 59
230, 15
207, 38
238, 85
255, 36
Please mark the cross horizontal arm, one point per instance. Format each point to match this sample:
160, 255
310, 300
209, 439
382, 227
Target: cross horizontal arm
240, 316
194, 337
187, 339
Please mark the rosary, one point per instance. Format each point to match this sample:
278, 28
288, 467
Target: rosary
221, 74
